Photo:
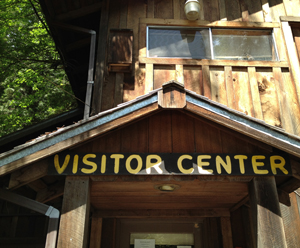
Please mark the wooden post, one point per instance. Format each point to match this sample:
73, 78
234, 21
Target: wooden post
96, 232
226, 232
267, 222
73, 230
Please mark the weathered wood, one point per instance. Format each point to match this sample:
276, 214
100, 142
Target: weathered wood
226, 232
28, 174
163, 9
206, 82
242, 91
268, 97
255, 11
239, 204
51, 192
233, 10
118, 97
176, 9
211, 10
75, 213
229, 87
96, 232
268, 224
123, 13
228, 24
292, 7
206, 62
296, 33
255, 93
283, 197
163, 213
150, 9
218, 86
163, 74
222, 8
292, 53
276, 9
108, 89
149, 81
179, 74
193, 79
100, 61
291, 221
171, 97
295, 168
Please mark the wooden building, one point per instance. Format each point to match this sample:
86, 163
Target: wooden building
190, 135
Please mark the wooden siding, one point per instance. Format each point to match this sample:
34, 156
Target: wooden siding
264, 90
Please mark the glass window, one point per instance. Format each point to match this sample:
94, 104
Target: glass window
178, 43
243, 44
215, 43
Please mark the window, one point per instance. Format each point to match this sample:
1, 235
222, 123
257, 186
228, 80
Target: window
211, 43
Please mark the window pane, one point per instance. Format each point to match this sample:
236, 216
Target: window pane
243, 44
178, 43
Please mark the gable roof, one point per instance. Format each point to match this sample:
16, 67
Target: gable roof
172, 95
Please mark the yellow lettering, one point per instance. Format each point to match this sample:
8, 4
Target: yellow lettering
155, 164
203, 163
280, 165
89, 163
64, 166
180, 167
256, 164
117, 158
139, 166
241, 159
103, 164
226, 166
75, 164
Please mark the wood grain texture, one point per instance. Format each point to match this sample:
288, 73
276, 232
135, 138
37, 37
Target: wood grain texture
267, 220
255, 12
163, 9
75, 213
96, 232
255, 93
206, 82
193, 79
163, 74
233, 12
218, 85
211, 10
242, 91
229, 87
226, 232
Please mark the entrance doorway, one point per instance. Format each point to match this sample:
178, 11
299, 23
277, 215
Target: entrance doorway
146, 233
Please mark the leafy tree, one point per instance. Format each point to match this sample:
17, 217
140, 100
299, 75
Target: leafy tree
33, 84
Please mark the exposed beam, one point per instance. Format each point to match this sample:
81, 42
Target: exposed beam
79, 12
163, 213
51, 192
28, 174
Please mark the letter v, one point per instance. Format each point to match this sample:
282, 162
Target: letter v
65, 164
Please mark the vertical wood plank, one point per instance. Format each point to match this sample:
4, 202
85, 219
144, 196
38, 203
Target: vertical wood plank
290, 93
160, 132
291, 221
96, 232
242, 91
254, 9
182, 133
276, 9
292, 53
233, 12
206, 81
296, 33
163, 9
226, 232
179, 74
108, 90
142, 40
229, 87
150, 8
149, 78
74, 220
222, 8
267, 221
255, 93
205, 132
268, 97
123, 13
118, 97
266, 10
193, 79
292, 7
211, 10
218, 86
163, 74
135, 137
100, 58
176, 9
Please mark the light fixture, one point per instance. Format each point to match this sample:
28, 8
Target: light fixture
192, 9
167, 187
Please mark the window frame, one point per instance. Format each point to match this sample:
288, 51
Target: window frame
212, 53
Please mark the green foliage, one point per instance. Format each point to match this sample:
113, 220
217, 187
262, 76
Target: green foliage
33, 84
